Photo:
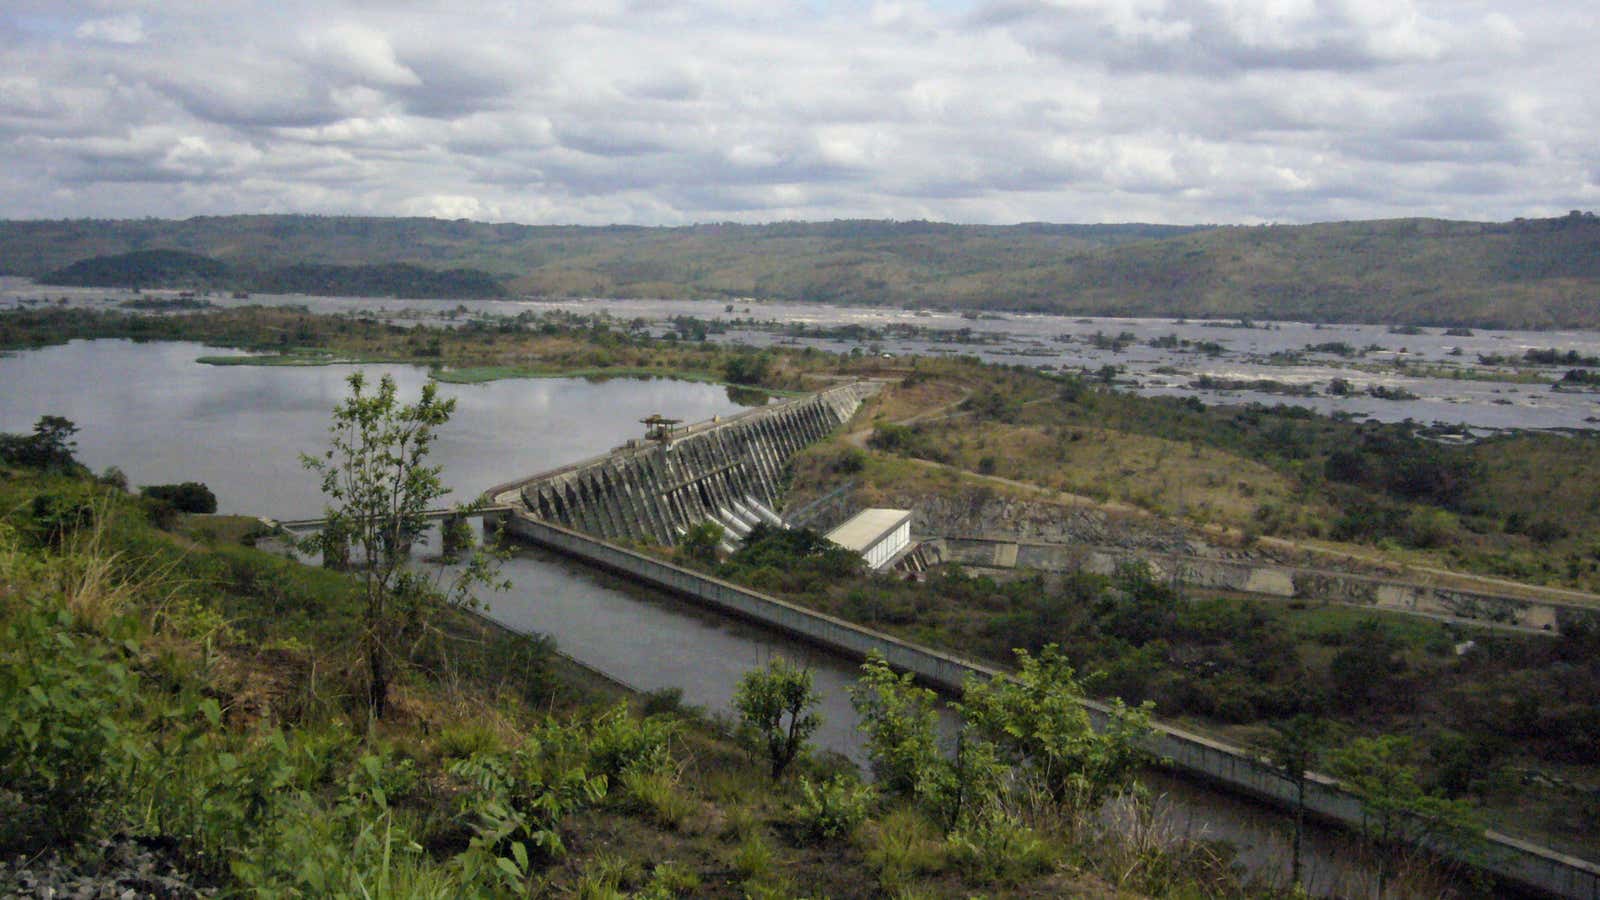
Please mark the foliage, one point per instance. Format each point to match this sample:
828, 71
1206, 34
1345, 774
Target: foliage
1039, 724
379, 485
833, 809
49, 447
898, 720
1293, 749
1397, 810
188, 497
995, 846
775, 706
747, 368
792, 559
699, 543
177, 268
514, 805
61, 754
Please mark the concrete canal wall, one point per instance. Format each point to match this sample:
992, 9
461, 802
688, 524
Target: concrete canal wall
1228, 766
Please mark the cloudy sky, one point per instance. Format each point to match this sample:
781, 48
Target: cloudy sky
660, 112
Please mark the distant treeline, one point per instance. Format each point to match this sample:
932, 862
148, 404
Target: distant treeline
182, 269
1535, 273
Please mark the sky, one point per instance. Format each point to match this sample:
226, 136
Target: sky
654, 112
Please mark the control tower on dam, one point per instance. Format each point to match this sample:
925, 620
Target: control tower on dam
656, 488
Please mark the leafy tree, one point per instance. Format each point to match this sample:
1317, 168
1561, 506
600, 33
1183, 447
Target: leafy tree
899, 719
379, 486
1293, 748
1396, 810
747, 368
189, 497
775, 710
50, 446
1039, 724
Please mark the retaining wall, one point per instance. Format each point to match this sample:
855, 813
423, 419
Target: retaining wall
1277, 580
1231, 767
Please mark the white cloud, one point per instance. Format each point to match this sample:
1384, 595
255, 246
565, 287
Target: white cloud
656, 112
125, 29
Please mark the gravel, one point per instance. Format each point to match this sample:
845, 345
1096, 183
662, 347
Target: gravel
120, 868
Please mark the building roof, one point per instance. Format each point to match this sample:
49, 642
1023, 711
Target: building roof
867, 527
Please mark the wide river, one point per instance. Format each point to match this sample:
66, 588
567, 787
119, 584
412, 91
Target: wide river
152, 411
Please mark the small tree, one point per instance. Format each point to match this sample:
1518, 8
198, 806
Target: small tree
1293, 749
775, 711
1396, 810
1039, 724
379, 486
700, 542
899, 720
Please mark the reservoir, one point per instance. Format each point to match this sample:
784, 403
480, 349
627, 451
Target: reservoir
155, 413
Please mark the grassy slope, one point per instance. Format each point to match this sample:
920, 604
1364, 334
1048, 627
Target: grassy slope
235, 690
1537, 274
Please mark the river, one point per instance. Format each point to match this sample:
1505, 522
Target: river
154, 412
1437, 375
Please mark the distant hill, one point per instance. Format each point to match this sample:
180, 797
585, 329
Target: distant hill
182, 269
1541, 273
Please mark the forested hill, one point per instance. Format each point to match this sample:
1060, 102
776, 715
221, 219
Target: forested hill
182, 269
1538, 273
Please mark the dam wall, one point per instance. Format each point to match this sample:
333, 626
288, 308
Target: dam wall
653, 490
1233, 768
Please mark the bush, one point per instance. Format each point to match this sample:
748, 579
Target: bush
833, 809
60, 515
66, 742
188, 497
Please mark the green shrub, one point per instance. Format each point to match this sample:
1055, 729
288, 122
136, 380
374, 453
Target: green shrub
657, 793
68, 736
996, 847
833, 809
188, 497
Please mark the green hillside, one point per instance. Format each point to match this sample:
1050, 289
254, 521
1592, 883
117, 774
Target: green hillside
182, 269
1541, 273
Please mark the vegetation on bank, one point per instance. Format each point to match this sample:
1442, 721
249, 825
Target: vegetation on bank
1485, 720
477, 350
208, 700
181, 269
1538, 273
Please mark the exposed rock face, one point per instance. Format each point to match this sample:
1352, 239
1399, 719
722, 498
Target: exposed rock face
977, 512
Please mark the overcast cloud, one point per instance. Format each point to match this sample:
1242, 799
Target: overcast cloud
656, 112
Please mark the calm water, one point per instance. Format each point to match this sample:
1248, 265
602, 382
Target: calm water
159, 416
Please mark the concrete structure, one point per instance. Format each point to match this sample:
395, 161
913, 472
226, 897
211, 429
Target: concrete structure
1266, 578
652, 491
877, 534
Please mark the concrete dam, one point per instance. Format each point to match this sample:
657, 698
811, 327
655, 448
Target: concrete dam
652, 490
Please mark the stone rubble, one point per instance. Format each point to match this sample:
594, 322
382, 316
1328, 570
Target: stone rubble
120, 868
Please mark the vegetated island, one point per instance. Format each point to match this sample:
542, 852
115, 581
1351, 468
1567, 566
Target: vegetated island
1533, 273
185, 270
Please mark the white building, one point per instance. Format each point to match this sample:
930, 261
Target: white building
876, 534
